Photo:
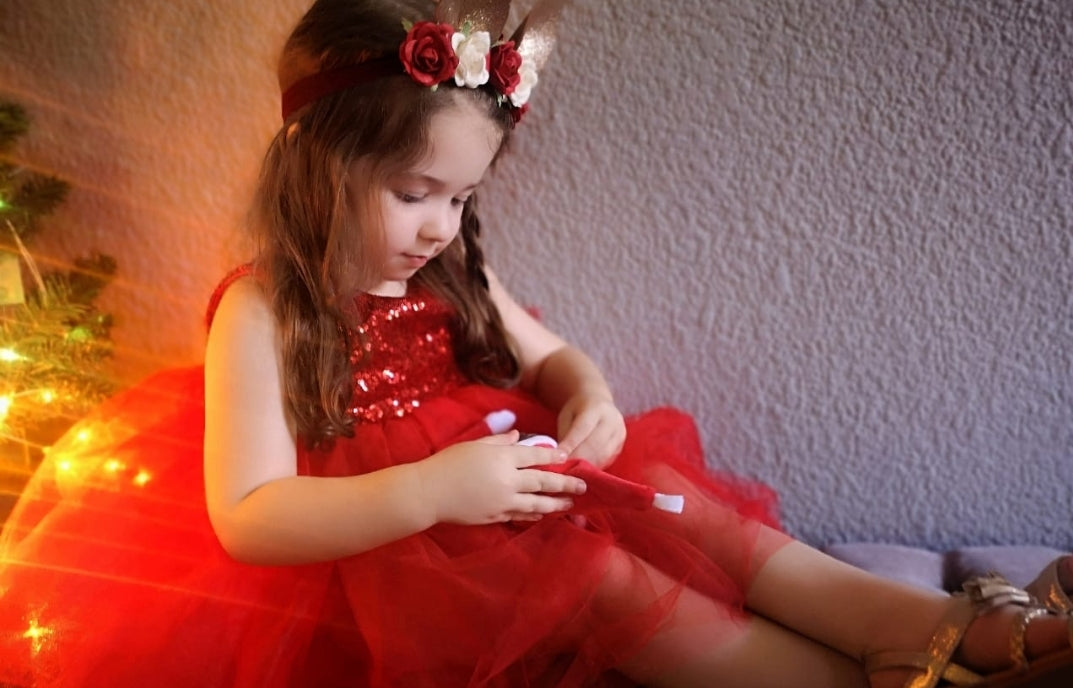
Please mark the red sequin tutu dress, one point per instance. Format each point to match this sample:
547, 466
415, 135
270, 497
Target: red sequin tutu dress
111, 576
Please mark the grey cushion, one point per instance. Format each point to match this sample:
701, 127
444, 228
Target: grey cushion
1020, 564
907, 564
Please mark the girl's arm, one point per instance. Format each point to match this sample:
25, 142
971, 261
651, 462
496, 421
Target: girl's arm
263, 512
564, 378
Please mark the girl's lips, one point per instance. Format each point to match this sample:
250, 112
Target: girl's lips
415, 261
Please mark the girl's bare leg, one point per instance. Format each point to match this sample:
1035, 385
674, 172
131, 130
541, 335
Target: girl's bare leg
845, 607
763, 654
858, 613
835, 604
703, 644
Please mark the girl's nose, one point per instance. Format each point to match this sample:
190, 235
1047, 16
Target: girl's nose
441, 225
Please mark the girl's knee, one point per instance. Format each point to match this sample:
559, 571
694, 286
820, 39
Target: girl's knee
629, 586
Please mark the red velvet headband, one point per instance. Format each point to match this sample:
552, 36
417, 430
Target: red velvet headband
316, 86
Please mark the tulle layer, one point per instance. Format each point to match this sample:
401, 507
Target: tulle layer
110, 573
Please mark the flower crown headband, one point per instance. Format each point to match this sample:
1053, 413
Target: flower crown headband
455, 48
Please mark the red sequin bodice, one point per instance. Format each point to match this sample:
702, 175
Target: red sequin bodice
403, 354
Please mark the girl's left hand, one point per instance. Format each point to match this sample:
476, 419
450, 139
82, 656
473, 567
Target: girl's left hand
592, 428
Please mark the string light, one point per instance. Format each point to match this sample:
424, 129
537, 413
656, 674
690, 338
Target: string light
142, 478
37, 635
46, 396
9, 355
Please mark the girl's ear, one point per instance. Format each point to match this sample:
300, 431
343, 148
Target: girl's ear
292, 132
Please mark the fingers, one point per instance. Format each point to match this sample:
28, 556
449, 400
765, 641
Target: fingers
598, 445
524, 457
533, 504
518, 516
579, 428
510, 437
596, 433
546, 482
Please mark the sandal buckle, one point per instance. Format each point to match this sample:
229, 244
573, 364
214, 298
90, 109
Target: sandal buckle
989, 592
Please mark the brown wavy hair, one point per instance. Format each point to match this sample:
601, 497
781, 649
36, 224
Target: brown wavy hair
316, 215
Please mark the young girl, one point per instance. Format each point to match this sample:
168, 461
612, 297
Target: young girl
358, 523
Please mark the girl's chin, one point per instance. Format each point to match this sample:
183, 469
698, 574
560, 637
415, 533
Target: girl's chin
389, 288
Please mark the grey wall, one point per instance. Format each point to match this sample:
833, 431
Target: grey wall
839, 233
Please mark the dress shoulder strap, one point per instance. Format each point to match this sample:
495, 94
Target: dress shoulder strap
218, 293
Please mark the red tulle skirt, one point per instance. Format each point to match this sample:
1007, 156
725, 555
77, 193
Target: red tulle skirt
110, 574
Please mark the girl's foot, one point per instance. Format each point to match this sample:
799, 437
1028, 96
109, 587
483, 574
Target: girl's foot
987, 646
1054, 585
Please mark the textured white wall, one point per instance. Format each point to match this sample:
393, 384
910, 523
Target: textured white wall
839, 233
158, 113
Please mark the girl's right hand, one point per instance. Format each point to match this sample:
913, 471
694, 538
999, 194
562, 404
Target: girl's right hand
493, 480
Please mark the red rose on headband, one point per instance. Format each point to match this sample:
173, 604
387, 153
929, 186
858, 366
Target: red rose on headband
427, 55
503, 70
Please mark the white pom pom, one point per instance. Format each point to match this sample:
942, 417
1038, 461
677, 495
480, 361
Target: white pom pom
671, 503
500, 421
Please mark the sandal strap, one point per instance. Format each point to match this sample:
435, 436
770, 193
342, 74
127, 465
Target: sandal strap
980, 596
1017, 635
954, 674
934, 661
1047, 589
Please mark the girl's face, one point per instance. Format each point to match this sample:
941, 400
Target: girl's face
421, 208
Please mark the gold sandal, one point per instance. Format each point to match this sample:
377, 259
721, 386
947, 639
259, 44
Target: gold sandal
980, 596
1047, 590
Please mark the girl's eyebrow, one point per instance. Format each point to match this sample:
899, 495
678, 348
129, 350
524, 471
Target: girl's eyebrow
433, 181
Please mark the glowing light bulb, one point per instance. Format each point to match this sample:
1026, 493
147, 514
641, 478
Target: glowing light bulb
142, 478
37, 635
48, 396
5, 405
83, 435
114, 465
9, 355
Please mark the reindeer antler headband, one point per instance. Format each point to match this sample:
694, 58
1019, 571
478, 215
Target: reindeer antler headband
457, 47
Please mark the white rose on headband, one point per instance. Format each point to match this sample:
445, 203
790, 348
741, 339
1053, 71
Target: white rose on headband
528, 79
472, 51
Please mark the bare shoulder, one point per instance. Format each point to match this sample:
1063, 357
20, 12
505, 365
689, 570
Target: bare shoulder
249, 439
243, 307
242, 353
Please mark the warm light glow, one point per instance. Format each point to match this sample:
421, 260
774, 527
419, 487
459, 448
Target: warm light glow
114, 465
142, 478
37, 635
5, 405
83, 435
48, 396
9, 355
64, 465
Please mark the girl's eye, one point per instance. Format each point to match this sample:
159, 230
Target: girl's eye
457, 202
407, 197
